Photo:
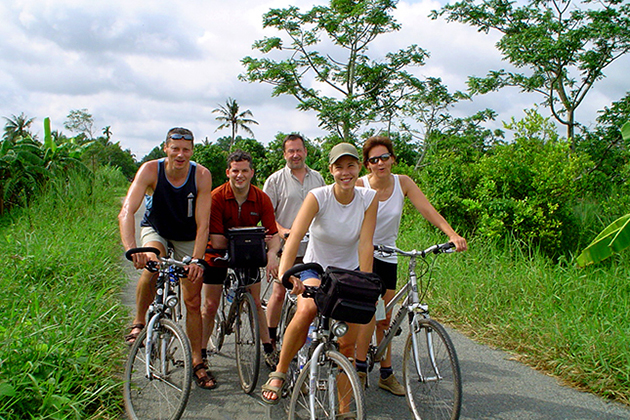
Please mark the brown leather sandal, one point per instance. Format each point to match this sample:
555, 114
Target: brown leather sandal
131, 337
202, 381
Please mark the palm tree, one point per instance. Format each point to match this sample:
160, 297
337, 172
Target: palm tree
17, 126
230, 116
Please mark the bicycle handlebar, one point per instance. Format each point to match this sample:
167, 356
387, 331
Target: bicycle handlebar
298, 269
132, 251
170, 261
446, 247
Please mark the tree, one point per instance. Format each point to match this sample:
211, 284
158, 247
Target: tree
18, 126
556, 40
429, 107
233, 119
80, 121
107, 132
607, 148
362, 90
214, 158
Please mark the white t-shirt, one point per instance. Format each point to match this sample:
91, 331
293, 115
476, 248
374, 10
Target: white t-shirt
388, 219
336, 228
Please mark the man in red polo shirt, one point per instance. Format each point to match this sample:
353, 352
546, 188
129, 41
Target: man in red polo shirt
237, 203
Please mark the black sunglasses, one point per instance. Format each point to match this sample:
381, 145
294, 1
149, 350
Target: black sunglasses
181, 136
384, 157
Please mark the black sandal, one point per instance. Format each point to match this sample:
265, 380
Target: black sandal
202, 381
131, 337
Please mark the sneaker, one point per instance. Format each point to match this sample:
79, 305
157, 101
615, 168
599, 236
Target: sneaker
271, 359
363, 378
392, 385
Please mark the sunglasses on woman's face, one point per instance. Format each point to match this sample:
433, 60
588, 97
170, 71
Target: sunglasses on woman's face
384, 157
181, 136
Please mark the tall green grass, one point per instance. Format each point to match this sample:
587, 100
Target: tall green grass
60, 312
570, 322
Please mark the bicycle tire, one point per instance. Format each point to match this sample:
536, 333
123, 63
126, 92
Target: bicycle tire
327, 397
171, 363
247, 343
436, 396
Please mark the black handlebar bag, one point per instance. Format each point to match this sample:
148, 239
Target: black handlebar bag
247, 248
349, 295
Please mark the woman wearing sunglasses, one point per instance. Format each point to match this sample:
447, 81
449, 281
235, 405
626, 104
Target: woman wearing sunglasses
391, 190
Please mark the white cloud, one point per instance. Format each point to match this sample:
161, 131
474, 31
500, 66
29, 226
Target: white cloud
142, 67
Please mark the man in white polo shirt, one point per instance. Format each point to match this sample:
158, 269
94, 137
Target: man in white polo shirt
287, 189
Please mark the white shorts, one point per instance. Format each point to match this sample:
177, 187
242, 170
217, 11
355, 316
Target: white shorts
181, 248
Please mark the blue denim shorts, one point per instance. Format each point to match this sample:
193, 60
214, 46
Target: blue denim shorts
309, 274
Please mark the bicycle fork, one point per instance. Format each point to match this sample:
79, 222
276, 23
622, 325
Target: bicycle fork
149, 346
415, 326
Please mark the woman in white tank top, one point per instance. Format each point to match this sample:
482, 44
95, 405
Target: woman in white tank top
391, 190
327, 211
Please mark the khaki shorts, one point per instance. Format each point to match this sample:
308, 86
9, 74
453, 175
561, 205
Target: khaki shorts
181, 248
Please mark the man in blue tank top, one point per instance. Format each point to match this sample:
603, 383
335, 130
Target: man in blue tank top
177, 193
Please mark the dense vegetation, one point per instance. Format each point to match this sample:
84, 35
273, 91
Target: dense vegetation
60, 311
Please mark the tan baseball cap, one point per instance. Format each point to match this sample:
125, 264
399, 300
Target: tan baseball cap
342, 149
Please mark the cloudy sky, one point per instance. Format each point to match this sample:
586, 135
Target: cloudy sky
143, 66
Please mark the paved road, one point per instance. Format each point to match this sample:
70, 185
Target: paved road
495, 387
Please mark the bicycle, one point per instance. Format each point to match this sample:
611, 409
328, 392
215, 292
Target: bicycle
240, 316
159, 367
327, 386
431, 372
237, 312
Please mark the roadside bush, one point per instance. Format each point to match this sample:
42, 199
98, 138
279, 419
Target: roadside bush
525, 189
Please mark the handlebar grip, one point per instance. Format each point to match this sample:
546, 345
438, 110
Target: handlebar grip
298, 269
132, 251
448, 247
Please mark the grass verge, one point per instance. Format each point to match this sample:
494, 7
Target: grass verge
569, 322
60, 312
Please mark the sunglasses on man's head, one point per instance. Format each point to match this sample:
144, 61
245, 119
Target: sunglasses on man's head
384, 157
181, 136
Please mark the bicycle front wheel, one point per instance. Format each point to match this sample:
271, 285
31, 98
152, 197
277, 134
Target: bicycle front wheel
163, 395
338, 390
247, 343
431, 373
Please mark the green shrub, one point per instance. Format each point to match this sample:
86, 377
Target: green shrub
526, 188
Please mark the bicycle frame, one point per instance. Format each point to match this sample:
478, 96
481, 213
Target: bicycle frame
169, 275
416, 312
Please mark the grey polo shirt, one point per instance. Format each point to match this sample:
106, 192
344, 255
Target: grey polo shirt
287, 193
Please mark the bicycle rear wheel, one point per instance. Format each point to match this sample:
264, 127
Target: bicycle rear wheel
247, 343
431, 373
338, 390
165, 395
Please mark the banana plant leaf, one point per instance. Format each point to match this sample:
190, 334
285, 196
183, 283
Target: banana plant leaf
614, 238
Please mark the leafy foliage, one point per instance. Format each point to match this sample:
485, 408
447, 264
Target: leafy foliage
523, 189
214, 158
